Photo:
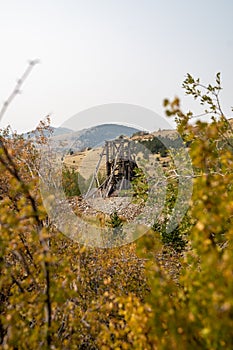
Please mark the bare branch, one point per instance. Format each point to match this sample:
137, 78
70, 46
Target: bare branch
18, 86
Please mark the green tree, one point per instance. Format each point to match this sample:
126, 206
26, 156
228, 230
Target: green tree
70, 181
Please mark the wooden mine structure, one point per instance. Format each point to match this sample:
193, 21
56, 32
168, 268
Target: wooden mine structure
120, 164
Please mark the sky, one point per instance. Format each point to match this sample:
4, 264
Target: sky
102, 52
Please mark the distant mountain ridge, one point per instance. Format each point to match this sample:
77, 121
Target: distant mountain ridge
97, 135
55, 132
94, 136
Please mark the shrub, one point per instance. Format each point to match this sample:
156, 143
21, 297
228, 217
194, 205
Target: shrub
70, 182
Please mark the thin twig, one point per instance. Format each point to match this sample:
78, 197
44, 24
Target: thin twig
18, 86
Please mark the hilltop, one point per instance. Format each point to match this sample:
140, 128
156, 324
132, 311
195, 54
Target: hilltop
93, 136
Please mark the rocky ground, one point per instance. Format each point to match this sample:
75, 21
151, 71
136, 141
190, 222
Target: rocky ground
124, 207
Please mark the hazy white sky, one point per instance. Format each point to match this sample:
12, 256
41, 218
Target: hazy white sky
109, 51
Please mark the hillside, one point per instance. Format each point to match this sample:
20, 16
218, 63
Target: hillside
92, 137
